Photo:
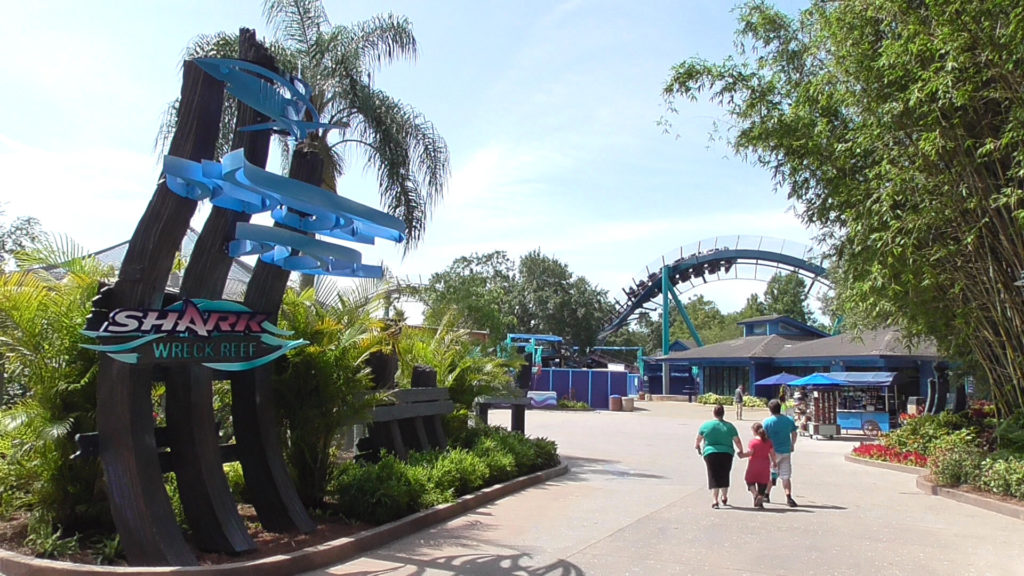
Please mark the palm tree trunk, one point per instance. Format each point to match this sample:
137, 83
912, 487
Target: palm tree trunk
205, 495
141, 509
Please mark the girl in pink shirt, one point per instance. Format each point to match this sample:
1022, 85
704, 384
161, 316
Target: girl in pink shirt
761, 455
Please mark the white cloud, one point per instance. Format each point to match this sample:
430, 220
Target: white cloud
94, 195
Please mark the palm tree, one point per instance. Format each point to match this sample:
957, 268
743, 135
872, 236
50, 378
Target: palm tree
339, 62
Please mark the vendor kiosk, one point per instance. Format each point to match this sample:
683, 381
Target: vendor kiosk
849, 400
865, 409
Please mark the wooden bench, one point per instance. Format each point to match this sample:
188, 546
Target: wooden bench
415, 420
517, 404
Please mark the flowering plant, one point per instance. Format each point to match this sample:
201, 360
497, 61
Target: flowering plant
892, 455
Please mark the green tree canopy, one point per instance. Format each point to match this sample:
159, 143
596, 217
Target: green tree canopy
17, 235
786, 294
549, 300
537, 295
477, 289
898, 127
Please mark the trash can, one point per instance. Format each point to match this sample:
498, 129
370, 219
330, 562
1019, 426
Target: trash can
615, 403
627, 403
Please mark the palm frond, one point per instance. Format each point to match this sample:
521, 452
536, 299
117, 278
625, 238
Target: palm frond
410, 156
52, 251
218, 45
383, 39
168, 123
297, 22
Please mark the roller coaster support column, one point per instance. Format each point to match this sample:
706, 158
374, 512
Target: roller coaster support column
665, 285
666, 291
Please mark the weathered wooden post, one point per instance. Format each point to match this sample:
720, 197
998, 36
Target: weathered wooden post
141, 509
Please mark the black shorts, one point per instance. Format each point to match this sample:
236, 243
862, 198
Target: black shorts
761, 488
719, 467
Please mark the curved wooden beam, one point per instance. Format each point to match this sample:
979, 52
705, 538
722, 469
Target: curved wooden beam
205, 494
124, 412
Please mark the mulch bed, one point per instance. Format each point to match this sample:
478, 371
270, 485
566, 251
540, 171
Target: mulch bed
14, 530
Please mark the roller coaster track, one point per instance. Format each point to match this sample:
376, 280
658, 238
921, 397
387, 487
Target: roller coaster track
722, 258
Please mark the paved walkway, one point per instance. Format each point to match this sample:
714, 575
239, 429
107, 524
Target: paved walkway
635, 502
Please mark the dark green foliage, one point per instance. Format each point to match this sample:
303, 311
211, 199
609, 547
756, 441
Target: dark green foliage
540, 295
1010, 434
955, 459
46, 539
567, 404
324, 385
53, 380
381, 492
458, 471
922, 433
786, 294
462, 366
390, 489
477, 289
898, 129
1002, 476
459, 431
19, 234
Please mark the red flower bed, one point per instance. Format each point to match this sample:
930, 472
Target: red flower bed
892, 455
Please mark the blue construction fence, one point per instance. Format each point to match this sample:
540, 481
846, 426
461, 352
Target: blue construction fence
591, 386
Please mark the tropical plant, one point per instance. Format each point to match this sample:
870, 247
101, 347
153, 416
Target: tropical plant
339, 62
51, 388
462, 366
324, 385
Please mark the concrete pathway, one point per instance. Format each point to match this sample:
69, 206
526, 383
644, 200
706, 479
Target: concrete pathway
635, 502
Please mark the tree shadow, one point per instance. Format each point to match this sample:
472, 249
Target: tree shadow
509, 564
580, 467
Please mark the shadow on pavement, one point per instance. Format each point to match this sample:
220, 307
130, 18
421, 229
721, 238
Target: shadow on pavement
580, 467
511, 564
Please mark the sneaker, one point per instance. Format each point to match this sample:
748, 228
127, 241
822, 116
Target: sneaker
790, 502
767, 499
759, 502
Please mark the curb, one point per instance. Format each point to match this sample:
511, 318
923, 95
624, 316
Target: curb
304, 560
886, 465
925, 484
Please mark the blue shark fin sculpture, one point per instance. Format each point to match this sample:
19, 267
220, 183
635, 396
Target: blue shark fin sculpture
284, 99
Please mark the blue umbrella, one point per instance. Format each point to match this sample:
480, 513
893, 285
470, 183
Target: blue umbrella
818, 379
781, 378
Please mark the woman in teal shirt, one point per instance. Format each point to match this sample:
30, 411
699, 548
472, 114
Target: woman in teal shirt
717, 442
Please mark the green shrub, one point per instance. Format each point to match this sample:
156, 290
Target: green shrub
920, 434
381, 492
390, 489
458, 430
546, 452
458, 471
1002, 476
713, 399
956, 459
568, 404
1010, 434
754, 402
500, 463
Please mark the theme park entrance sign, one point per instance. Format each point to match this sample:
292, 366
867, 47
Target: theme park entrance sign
218, 334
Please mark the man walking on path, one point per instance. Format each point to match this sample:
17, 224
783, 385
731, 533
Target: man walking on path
781, 431
738, 401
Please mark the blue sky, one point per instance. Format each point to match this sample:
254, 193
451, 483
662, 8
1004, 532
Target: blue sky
548, 108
